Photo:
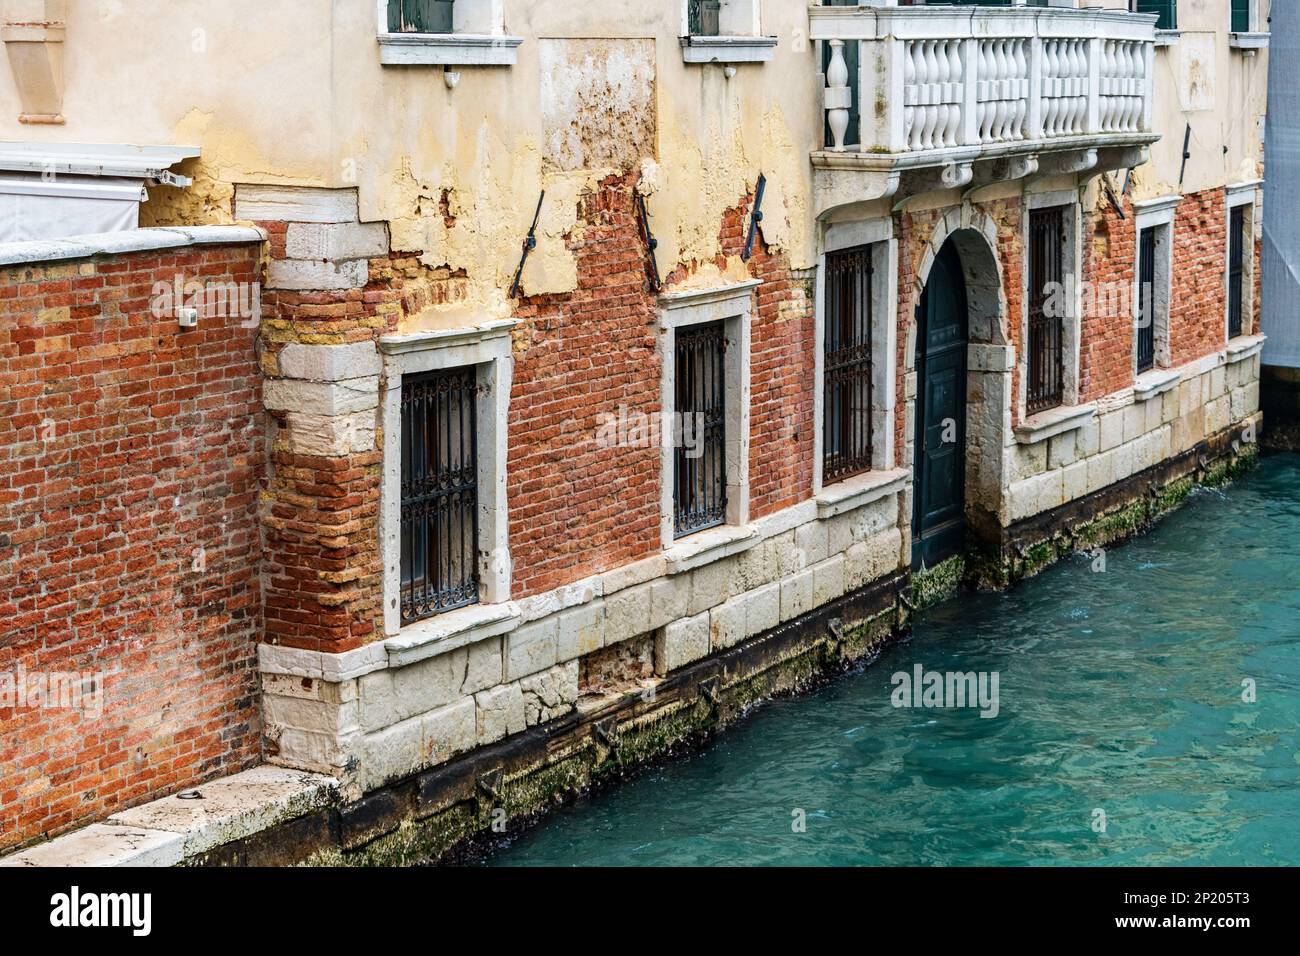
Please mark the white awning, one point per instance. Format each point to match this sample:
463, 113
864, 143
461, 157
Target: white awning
55, 190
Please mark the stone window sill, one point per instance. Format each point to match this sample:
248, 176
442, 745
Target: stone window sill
1248, 41
859, 490
728, 49
1244, 347
446, 632
1167, 37
447, 49
1155, 382
705, 547
1053, 422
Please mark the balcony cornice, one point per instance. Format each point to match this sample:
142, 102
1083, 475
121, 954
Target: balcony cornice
938, 22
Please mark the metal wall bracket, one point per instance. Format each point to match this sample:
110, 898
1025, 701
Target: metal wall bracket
651, 244
530, 243
755, 218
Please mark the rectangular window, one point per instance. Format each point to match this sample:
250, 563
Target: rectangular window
1146, 326
439, 511
1241, 16
420, 16
700, 453
1044, 388
1167, 10
1236, 269
846, 401
704, 17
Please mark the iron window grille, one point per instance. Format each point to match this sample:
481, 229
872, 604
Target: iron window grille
1046, 264
1236, 270
700, 453
1146, 331
704, 17
420, 16
439, 493
846, 401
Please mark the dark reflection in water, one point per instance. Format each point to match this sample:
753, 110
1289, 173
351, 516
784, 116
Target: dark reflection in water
1119, 691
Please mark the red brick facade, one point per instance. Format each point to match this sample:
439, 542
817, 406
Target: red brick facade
128, 534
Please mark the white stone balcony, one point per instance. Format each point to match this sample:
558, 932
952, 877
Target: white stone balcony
967, 96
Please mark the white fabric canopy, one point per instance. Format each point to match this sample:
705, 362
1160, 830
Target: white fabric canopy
32, 207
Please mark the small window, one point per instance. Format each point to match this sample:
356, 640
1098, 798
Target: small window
1236, 271
1167, 10
439, 511
846, 408
1045, 385
1240, 16
1146, 324
700, 459
420, 16
703, 18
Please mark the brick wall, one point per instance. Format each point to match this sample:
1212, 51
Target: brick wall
1197, 300
129, 461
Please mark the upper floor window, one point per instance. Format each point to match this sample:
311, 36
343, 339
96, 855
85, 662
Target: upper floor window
723, 31
1154, 230
445, 32
700, 456
1166, 10
1248, 24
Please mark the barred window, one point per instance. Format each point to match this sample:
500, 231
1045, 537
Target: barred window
846, 400
1146, 330
1046, 266
700, 453
439, 513
1236, 270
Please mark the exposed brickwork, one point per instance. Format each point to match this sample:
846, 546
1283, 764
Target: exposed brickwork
1106, 325
128, 536
577, 508
782, 365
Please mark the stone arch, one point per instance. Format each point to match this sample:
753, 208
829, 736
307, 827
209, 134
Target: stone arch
975, 236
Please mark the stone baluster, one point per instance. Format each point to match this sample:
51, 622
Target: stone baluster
839, 95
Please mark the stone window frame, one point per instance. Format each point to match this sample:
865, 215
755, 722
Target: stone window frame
733, 305
879, 235
489, 349
1156, 214
483, 41
1071, 334
1235, 195
739, 46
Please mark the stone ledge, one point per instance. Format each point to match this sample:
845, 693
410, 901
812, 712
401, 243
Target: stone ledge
165, 832
1248, 41
1155, 382
1054, 421
705, 547
126, 241
727, 49
860, 490
444, 338
448, 49
449, 631
1244, 347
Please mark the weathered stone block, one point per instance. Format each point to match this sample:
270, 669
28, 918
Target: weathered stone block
1111, 430
336, 241
669, 598
308, 276
532, 648
727, 624
681, 643
828, 580
330, 399
763, 609
710, 586
627, 614
449, 731
813, 541
581, 630
329, 436
550, 694
258, 203
330, 363
500, 713
796, 595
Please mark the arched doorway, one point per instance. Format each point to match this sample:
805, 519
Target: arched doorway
939, 469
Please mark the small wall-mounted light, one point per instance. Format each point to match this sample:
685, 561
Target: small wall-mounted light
451, 78
188, 316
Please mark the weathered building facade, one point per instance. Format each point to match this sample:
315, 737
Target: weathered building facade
610, 368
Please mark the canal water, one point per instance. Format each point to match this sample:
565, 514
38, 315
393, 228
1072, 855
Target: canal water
1121, 737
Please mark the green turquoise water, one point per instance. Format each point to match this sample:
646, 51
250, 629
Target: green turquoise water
1119, 691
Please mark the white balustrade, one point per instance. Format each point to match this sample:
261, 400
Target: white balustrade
985, 76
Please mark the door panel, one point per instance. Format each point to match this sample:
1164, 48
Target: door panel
938, 514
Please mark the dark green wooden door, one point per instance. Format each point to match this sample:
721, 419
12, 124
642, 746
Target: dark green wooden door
939, 493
